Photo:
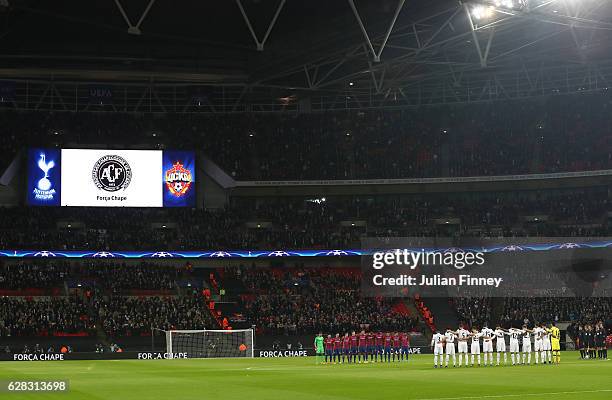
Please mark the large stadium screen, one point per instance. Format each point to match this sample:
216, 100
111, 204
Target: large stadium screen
111, 178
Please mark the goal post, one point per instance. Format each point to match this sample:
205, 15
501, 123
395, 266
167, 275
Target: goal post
210, 343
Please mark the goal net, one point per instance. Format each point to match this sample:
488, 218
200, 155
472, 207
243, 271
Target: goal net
210, 343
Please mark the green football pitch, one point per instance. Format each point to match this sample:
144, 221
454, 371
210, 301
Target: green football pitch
301, 378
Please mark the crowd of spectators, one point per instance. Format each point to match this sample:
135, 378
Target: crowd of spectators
102, 298
44, 316
305, 223
142, 276
529, 310
289, 300
472, 311
558, 134
112, 277
519, 311
33, 275
135, 316
306, 300
116, 316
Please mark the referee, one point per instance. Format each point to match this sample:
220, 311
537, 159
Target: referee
590, 341
581, 341
600, 339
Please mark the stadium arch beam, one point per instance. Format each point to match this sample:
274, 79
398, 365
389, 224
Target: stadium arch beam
428, 60
454, 27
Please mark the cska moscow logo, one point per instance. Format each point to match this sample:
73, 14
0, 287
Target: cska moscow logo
178, 179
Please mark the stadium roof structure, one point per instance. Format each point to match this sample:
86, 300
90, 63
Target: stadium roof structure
284, 55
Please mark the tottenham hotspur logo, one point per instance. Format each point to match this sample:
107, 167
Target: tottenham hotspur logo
112, 173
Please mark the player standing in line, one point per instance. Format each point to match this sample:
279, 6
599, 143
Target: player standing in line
594, 348
600, 335
363, 347
588, 338
593, 345
555, 343
581, 341
585, 341
545, 345
514, 345
598, 340
437, 345
354, 348
346, 348
329, 349
500, 344
397, 346
405, 341
371, 346
449, 338
379, 346
387, 343
462, 346
337, 348
475, 347
527, 345
605, 335
319, 348
487, 344
538, 335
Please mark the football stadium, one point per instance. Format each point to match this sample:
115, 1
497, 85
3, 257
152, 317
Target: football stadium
285, 199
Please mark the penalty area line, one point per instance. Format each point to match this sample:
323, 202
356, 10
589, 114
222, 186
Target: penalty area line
502, 396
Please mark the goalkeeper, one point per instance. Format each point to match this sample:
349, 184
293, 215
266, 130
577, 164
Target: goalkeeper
319, 349
556, 343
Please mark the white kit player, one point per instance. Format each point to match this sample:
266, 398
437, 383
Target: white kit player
449, 337
526, 344
487, 344
475, 347
500, 343
462, 345
514, 345
546, 346
538, 336
437, 345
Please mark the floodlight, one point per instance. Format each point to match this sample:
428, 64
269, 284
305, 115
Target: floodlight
482, 12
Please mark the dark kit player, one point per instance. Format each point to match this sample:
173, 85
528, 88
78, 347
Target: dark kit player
387, 342
590, 341
379, 345
397, 346
405, 341
363, 347
346, 348
337, 348
600, 341
354, 347
371, 345
581, 341
329, 348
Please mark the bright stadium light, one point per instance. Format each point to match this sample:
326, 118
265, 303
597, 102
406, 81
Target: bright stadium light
511, 4
484, 9
504, 3
482, 12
